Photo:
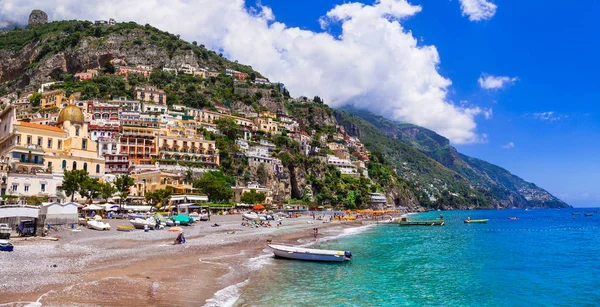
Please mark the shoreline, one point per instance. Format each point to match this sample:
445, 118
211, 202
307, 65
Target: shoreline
138, 268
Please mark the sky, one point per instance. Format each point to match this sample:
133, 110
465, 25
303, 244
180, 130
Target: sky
510, 82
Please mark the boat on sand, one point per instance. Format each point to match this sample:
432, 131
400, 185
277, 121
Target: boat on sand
482, 221
6, 246
250, 216
310, 254
140, 223
98, 225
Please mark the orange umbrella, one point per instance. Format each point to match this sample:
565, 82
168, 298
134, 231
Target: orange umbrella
175, 229
258, 207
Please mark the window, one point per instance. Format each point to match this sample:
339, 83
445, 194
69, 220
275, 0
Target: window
74, 165
18, 139
29, 140
43, 187
49, 164
49, 143
97, 168
26, 188
76, 131
15, 187
64, 164
59, 145
39, 141
85, 166
84, 144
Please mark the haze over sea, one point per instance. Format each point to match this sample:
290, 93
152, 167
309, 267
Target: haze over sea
546, 258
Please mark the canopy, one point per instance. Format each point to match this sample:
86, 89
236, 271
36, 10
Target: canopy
258, 207
93, 207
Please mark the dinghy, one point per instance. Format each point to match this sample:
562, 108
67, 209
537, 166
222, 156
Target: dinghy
301, 253
98, 225
6, 246
140, 223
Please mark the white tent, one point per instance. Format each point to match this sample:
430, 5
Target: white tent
56, 213
93, 207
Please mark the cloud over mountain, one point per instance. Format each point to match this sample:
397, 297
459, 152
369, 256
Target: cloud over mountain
375, 63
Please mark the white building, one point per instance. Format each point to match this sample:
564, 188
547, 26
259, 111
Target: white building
42, 184
344, 166
154, 108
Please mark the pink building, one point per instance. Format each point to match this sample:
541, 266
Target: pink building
125, 70
88, 75
240, 75
151, 94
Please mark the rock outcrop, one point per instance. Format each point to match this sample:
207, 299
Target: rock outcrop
37, 17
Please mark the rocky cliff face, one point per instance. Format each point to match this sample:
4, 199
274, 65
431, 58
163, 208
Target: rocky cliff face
37, 17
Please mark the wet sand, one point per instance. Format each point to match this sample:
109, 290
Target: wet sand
111, 268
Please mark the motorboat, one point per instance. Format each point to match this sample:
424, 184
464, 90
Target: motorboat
4, 231
250, 216
513, 218
483, 221
588, 214
309, 254
6, 246
98, 225
142, 223
199, 217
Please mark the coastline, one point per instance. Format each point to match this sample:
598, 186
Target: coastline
138, 268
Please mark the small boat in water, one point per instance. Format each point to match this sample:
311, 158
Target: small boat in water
6, 246
513, 218
588, 214
309, 254
575, 213
483, 221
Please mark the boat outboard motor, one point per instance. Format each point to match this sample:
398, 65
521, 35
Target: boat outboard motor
348, 254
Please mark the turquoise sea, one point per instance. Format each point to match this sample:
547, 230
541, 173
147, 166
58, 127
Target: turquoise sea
546, 258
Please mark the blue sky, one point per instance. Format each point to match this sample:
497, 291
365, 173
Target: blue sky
550, 47
534, 112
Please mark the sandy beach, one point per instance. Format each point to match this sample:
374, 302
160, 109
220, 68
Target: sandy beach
110, 268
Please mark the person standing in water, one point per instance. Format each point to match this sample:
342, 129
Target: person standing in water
316, 233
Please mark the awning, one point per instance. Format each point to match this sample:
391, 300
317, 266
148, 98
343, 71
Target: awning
93, 207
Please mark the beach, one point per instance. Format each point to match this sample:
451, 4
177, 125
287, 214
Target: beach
107, 268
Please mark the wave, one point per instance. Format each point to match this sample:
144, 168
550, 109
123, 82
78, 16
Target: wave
228, 296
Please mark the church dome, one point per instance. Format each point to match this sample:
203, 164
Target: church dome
71, 113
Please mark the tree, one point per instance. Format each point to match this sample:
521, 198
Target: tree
253, 76
90, 188
72, 181
109, 68
261, 174
228, 127
253, 197
107, 190
216, 186
159, 196
35, 99
122, 184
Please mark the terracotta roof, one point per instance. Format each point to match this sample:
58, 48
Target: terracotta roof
39, 126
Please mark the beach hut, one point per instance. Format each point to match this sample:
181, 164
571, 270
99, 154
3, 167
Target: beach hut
59, 214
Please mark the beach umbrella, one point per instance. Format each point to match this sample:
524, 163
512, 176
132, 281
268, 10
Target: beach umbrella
258, 207
176, 229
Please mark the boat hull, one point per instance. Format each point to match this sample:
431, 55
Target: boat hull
250, 216
476, 221
310, 254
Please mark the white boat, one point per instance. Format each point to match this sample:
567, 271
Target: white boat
140, 223
98, 225
199, 217
300, 253
250, 216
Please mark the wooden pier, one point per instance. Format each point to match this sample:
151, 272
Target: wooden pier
421, 223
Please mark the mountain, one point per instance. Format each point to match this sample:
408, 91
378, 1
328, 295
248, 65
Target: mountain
504, 189
43, 52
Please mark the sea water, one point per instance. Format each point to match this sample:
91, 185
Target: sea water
546, 258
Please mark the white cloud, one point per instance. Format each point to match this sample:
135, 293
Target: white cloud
375, 63
549, 116
495, 82
478, 10
510, 145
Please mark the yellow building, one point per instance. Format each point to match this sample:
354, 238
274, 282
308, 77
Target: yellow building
55, 99
267, 114
178, 145
267, 125
66, 146
158, 180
